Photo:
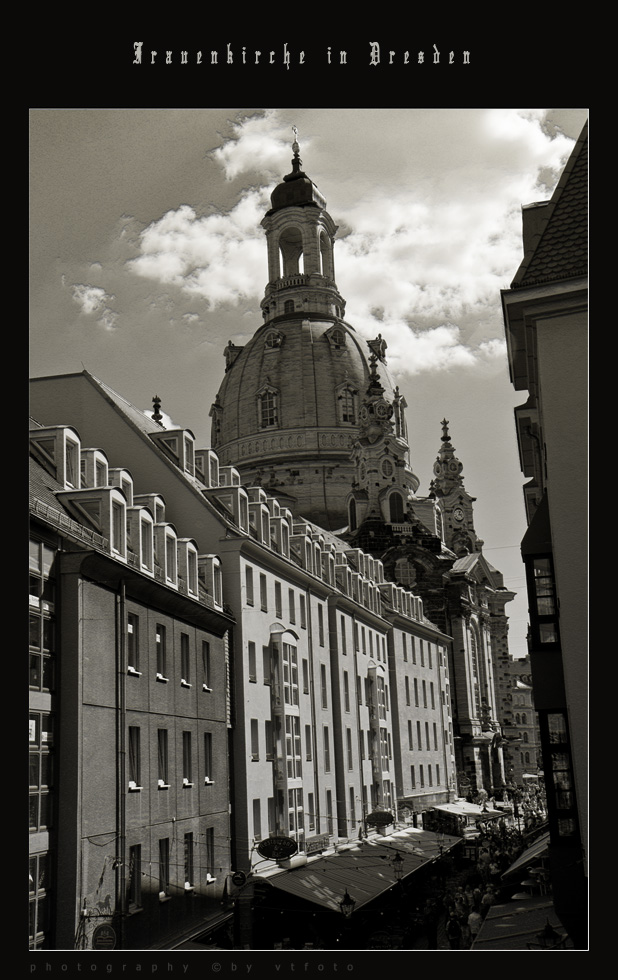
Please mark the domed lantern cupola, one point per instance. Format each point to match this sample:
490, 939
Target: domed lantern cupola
300, 236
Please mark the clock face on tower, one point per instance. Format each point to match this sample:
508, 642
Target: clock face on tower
458, 514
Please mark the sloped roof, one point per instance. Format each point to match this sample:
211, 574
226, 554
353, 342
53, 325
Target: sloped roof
43, 486
561, 251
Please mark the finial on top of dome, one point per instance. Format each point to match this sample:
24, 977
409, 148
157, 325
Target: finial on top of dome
445, 435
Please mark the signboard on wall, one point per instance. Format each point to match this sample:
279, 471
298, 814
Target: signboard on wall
276, 848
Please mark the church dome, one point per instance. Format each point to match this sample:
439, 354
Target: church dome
287, 412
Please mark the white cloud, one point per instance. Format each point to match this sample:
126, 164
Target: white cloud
94, 300
422, 249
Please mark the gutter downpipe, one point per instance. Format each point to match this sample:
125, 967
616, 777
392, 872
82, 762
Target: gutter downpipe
121, 774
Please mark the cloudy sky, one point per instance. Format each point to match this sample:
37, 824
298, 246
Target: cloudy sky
147, 256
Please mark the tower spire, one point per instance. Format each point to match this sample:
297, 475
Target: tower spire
447, 468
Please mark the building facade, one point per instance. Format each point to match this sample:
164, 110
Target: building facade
545, 316
129, 814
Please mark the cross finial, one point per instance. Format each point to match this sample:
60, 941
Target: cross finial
156, 402
445, 435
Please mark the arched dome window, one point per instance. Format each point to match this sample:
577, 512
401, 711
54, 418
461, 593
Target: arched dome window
347, 405
273, 339
525, 736
527, 757
395, 504
523, 719
268, 408
517, 719
337, 337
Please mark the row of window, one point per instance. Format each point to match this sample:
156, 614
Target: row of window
134, 756
419, 739
134, 655
416, 692
176, 867
430, 781
40, 741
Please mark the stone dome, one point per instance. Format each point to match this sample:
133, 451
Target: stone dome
286, 414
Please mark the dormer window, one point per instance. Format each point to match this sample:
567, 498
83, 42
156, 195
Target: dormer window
210, 578
94, 469
187, 561
273, 338
166, 553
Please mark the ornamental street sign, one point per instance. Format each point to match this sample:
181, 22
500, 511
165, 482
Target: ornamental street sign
379, 818
277, 848
104, 937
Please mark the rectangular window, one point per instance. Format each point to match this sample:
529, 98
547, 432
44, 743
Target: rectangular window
249, 584
422, 654
188, 855
419, 738
352, 808
252, 664
160, 644
272, 821
170, 558
429, 655
255, 741
326, 750
364, 635
187, 767
209, 856
207, 682
422, 776
185, 672
163, 781
293, 747
311, 813
291, 606
346, 691
433, 695
305, 676
427, 735
278, 601
412, 777
321, 625
405, 648
257, 819
435, 736
323, 686
133, 643
329, 810
429, 776
134, 880
437, 775
344, 641
410, 741
361, 742
263, 594
348, 736
134, 757
407, 685
424, 694
303, 612
266, 665
416, 692
413, 643
146, 544
208, 770
164, 867
308, 743
289, 663
268, 739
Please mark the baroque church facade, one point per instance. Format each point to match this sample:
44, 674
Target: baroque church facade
309, 411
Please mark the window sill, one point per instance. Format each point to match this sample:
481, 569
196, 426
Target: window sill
255, 758
210, 880
206, 688
135, 789
133, 672
186, 784
163, 785
162, 679
184, 683
164, 897
208, 781
189, 888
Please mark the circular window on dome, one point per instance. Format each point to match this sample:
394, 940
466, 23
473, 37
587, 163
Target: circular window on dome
387, 467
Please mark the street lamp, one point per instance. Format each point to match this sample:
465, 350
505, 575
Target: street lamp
347, 905
398, 866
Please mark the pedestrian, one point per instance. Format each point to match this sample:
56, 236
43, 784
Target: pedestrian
453, 931
475, 921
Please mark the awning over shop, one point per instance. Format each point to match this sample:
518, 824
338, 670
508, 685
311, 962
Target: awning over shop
365, 869
469, 810
532, 853
520, 925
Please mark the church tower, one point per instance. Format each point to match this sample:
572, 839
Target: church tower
453, 502
287, 412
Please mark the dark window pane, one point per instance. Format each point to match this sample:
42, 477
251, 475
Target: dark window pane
35, 670
35, 631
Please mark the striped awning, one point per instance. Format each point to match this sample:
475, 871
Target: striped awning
365, 870
532, 853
